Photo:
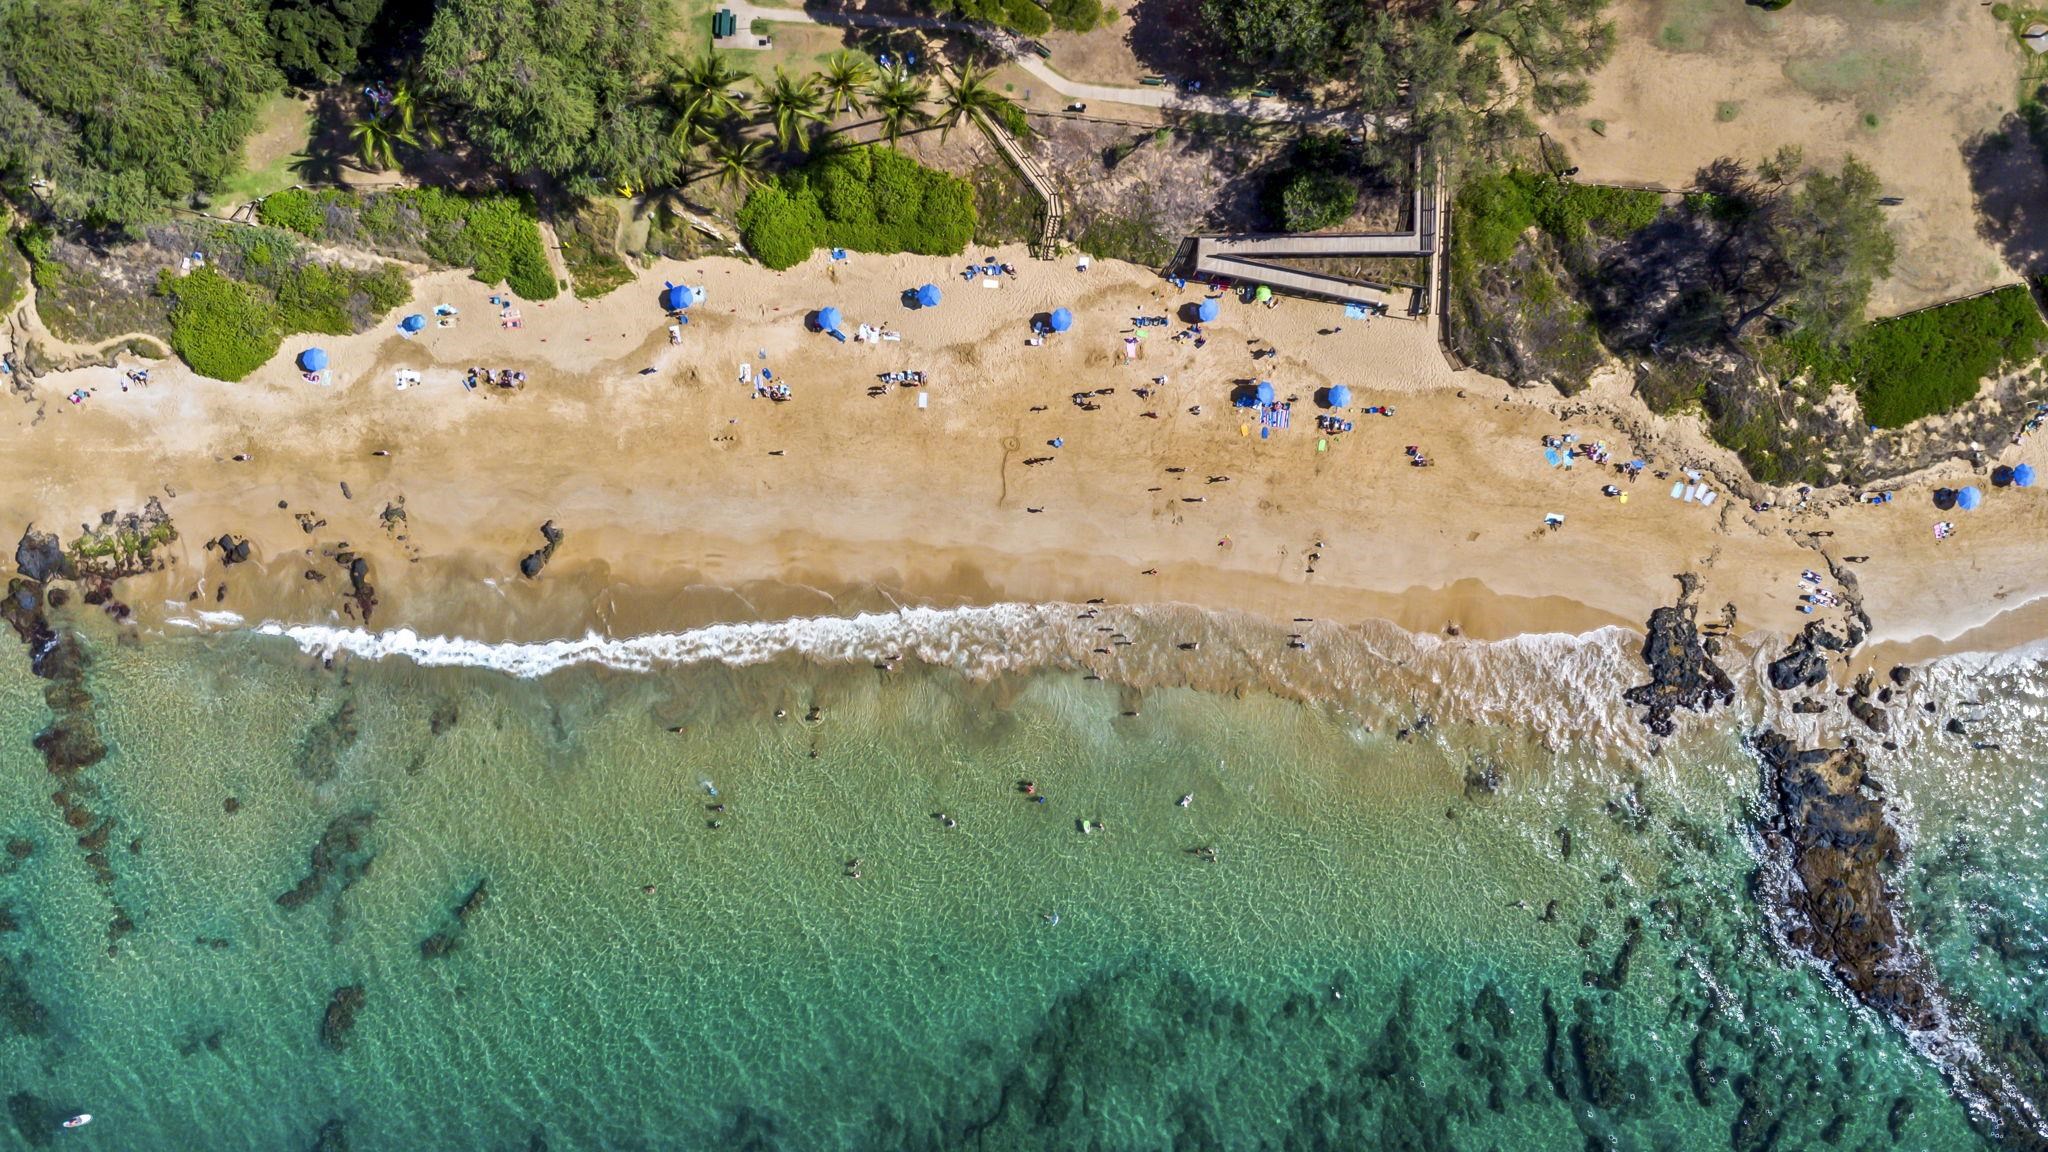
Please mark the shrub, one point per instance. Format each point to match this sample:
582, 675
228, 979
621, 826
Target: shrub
1077, 15
868, 199
295, 209
1934, 360
338, 301
221, 327
1493, 212
1311, 201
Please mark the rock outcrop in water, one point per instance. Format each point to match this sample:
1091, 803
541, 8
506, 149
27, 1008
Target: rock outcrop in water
1805, 663
339, 859
1682, 675
449, 938
120, 546
1829, 854
340, 1017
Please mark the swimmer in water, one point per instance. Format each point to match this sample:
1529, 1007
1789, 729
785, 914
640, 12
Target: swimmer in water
1187, 799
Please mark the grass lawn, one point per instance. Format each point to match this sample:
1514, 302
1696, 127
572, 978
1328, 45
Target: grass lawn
282, 128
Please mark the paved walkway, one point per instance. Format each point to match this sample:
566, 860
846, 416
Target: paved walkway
1012, 46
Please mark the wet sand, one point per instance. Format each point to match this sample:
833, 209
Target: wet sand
686, 501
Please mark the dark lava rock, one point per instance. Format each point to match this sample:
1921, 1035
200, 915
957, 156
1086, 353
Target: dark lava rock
231, 805
340, 1017
326, 743
1681, 673
538, 559
1808, 706
40, 556
439, 944
1805, 663
472, 903
1873, 717
1483, 778
1901, 675
1824, 883
232, 551
1954, 727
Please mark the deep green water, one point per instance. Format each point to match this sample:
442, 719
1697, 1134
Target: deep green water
1364, 965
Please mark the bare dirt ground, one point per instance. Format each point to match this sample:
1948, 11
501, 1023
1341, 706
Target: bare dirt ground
1906, 85
1169, 182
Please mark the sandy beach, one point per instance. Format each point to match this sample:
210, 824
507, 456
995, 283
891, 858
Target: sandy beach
685, 500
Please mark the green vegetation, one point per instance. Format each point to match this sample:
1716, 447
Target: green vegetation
223, 328
1727, 110
125, 106
1494, 212
1134, 239
1934, 360
229, 315
1079, 15
1312, 201
1006, 210
318, 41
867, 199
1020, 15
14, 273
590, 250
555, 86
495, 236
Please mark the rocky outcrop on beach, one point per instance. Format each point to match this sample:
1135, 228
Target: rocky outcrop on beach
233, 550
1829, 855
40, 556
1682, 674
538, 558
1805, 663
362, 595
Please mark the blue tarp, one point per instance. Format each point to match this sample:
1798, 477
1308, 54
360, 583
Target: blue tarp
2023, 475
1206, 311
413, 323
1062, 319
1340, 396
1969, 498
828, 319
928, 296
313, 359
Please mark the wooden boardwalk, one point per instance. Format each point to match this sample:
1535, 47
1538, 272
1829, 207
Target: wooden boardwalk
1034, 173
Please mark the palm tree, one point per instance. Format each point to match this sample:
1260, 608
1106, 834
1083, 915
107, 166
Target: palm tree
844, 83
790, 105
733, 161
899, 103
377, 137
706, 83
969, 94
415, 114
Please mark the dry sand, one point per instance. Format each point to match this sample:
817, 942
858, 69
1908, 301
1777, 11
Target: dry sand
684, 500
1934, 74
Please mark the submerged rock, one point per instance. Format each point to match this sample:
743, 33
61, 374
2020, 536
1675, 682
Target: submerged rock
1682, 675
342, 854
340, 1017
40, 556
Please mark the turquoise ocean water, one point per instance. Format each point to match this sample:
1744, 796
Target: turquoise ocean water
1383, 952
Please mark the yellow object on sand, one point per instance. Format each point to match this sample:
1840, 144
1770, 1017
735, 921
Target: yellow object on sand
1322, 445
1624, 497
1244, 429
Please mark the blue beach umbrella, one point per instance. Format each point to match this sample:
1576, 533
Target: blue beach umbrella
1062, 319
676, 297
828, 319
413, 323
1969, 499
1206, 311
1265, 392
1340, 396
2023, 475
313, 359
928, 296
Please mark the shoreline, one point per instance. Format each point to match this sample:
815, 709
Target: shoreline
686, 502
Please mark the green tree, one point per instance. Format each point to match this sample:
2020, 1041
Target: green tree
709, 83
1297, 38
844, 83
968, 94
317, 41
736, 163
1311, 201
125, 106
791, 107
554, 87
377, 136
899, 102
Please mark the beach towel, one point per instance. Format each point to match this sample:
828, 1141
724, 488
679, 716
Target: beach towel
1709, 497
1357, 312
1678, 490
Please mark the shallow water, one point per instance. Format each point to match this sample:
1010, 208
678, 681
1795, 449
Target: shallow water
1366, 962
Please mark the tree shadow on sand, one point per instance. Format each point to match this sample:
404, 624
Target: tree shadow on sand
2010, 184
